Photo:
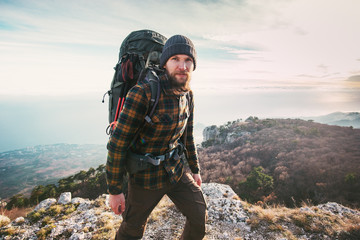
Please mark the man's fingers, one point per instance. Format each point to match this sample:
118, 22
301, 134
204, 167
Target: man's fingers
122, 207
117, 203
119, 209
116, 209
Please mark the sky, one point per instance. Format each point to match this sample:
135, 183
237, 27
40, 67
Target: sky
265, 58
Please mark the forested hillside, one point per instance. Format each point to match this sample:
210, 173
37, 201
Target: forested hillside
285, 161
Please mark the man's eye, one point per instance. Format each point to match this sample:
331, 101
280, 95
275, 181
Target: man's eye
189, 60
174, 58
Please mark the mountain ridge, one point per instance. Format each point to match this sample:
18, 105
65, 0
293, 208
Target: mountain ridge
228, 218
345, 119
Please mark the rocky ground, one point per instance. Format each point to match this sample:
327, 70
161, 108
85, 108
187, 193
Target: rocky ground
228, 218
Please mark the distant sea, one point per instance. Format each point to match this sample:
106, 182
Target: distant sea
27, 121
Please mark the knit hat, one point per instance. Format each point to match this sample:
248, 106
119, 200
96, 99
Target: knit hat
177, 44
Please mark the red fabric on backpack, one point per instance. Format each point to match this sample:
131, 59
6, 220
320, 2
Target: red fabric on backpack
127, 70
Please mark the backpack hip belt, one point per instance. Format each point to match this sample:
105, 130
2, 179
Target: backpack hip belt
138, 162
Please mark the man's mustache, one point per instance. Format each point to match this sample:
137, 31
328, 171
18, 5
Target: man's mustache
181, 72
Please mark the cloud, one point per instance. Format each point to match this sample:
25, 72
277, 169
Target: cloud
355, 78
71, 44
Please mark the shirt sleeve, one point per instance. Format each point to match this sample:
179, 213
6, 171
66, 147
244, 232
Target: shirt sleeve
192, 155
130, 120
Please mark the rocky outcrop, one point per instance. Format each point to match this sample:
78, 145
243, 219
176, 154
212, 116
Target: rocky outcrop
223, 134
210, 133
228, 218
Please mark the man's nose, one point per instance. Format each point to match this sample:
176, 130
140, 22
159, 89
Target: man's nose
182, 65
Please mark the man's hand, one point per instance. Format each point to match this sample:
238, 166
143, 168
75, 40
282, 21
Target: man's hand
117, 203
197, 179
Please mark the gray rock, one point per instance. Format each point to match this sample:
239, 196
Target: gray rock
45, 204
77, 236
210, 133
337, 209
59, 229
223, 203
19, 220
85, 205
77, 200
306, 209
65, 198
106, 199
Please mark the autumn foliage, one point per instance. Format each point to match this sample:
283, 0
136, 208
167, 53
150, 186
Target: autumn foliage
299, 160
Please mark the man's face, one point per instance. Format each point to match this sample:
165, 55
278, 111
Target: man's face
180, 67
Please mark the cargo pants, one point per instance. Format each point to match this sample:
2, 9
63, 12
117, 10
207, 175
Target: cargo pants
186, 195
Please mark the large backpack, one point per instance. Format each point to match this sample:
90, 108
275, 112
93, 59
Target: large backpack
139, 60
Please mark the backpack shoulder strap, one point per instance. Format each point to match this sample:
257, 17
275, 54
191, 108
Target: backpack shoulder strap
154, 83
189, 99
183, 138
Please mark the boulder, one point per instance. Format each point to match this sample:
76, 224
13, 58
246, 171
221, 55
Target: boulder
65, 198
19, 220
45, 204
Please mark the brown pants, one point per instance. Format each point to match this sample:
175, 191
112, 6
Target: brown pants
186, 195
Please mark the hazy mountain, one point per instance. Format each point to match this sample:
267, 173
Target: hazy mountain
23, 169
338, 118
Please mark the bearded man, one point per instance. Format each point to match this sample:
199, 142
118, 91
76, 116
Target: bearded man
165, 138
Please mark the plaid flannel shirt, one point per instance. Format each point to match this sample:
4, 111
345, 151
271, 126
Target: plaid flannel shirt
169, 122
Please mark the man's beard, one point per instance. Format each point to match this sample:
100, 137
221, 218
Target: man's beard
176, 86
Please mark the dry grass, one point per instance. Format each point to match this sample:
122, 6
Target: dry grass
8, 231
107, 225
16, 212
314, 220
4, 222
55, 210
289, 235
69, 209
160, 210
44, 232
46, 221
36, 216
107, 230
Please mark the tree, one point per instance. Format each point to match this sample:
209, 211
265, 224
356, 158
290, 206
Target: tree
90, 172
81, 176
17, 200
36, 194
257, 185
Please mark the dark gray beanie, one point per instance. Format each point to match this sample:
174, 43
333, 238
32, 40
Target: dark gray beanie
177, 44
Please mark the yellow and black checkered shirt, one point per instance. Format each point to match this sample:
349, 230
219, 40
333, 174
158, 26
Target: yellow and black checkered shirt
169, 120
